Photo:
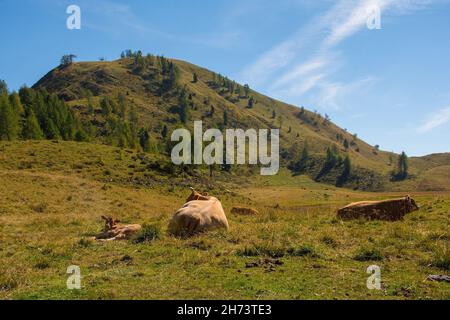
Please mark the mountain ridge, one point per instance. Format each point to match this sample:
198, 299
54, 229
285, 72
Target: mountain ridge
210, 96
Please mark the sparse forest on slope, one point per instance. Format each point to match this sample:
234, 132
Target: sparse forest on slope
138, 100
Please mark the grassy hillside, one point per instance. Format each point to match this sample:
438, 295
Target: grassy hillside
210, 98
54, 193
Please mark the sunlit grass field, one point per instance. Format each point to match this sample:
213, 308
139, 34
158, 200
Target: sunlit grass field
53, 194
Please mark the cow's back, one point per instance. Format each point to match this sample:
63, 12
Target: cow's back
198, 216
390, 210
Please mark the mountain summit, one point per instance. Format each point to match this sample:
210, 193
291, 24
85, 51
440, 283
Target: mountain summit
162, 94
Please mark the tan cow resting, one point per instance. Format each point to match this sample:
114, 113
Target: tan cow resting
244, 211
201, 213
389, 210
114, 231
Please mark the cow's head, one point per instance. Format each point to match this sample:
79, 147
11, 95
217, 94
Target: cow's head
411, 205
197, 196
110, 223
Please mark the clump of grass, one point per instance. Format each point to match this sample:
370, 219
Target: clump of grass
276, 252
201, 245
441, 259
148, 233
8, 283
258, 250
368, 254
330, 241
302, 251
436, 236
41, 265
84, 243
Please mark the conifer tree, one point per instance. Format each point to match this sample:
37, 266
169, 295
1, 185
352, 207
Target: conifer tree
31, 129
302, 164
144, 139
14, 100
3, 88
402, 167
164, 131
346, 144
346, 172
105, 107
246, 90
225, 118
183, 110
9, 120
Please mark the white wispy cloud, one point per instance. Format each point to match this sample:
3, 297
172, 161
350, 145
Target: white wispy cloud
332, 95
289, 73
301, 71
439, 118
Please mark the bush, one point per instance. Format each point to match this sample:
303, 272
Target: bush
148, 233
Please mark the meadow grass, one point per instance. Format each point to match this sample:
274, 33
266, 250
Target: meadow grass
48, 215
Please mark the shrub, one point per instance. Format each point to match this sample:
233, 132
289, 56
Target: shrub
148, 233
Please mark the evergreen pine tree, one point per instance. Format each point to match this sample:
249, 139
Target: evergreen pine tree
3, 88
304, 159
14, 100
144, 139
9, 120
346, 172
183, 110
225, 118
346, 144
105, 107
164, 131
31, 129
402, 167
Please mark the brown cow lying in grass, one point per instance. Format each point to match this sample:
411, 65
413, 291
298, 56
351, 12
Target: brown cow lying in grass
244, 211
389, 210
200, 213
114, 231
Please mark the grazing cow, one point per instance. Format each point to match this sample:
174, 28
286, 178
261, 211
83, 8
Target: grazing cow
389, 210
114, 231
200, 213
244, 211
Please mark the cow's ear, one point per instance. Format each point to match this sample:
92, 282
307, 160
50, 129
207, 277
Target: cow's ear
104, 218
205, 194
408, 197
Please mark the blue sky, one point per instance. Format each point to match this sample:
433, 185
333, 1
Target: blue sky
390, 86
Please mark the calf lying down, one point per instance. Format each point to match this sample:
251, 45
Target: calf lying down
115, 231
389, 210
